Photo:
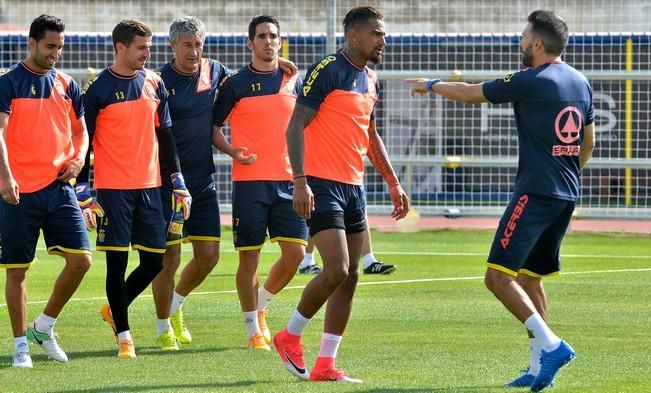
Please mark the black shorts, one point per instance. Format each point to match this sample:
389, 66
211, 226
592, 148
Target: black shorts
261, 206
528, 238
131, 217
53, 209
337, 205
204, 222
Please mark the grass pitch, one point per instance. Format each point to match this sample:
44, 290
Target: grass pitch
430, 327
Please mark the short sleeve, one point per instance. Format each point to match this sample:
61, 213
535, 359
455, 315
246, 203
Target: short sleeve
164, 118
511, 88
223, 72
298, 86
6, 93
377, 89
91, 105
74, 92
320, 81
224, 103
589, 116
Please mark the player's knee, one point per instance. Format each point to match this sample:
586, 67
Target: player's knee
83, 265
16, 275
172, 258
495, 280
249, 259
208, 259
353, 277
170, 266
529, 283
79, 263
335, 276
294, 255
208, 264
488, 282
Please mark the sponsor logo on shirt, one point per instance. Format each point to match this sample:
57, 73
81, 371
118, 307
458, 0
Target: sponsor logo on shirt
568, 129
87, 85
315, 73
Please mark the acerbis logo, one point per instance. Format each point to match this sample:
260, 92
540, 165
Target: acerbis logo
508, 77
315, 73
90, 82
513, 220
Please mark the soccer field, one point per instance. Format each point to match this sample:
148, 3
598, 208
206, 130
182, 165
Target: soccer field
430, 327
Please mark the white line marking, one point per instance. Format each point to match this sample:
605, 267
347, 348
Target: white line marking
275, 250
232, 291
479, 254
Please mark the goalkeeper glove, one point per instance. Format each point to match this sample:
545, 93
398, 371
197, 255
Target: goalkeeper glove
181, 201
88, 205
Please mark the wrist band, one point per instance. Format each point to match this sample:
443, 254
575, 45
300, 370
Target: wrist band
431, 83
298, 177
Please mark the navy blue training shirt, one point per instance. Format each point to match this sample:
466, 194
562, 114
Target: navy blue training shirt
552, 105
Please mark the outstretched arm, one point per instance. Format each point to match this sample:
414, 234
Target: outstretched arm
377, 153
303, 197
457, 91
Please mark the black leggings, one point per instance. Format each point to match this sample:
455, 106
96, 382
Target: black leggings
121, 293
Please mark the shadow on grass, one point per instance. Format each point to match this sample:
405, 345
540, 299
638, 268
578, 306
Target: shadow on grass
112, 353
155, 351
153, 388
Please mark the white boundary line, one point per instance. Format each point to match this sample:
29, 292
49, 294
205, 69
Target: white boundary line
478, 254
232, 291
275, 250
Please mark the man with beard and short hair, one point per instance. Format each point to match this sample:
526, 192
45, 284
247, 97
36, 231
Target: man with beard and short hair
258, 101
43, 143
331, 130
555, 120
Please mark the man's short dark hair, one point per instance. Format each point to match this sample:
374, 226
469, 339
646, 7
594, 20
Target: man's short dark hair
360, 16
551, 29
125, 31
261, 19
45, 23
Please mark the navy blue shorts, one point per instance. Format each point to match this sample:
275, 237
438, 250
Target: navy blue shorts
261, 206
528, 238
131, 217
53, 209
337, 205
204, 222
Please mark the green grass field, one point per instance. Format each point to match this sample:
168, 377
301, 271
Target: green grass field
430, 327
